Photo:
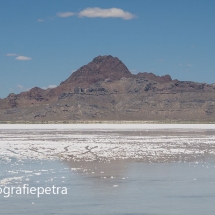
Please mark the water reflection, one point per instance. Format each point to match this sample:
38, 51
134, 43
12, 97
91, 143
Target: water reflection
116, 187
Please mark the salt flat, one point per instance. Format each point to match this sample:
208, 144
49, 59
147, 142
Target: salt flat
145, 142
107, 126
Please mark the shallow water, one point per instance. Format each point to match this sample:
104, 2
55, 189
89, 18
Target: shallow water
119, 169
118, 187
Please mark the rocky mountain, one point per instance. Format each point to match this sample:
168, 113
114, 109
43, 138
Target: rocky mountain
101, 68
105, 89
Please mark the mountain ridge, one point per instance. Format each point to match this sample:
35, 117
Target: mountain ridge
104, 89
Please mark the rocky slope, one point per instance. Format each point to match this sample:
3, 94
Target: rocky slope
105, 89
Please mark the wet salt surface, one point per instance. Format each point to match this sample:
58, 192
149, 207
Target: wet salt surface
155, 170
118, 187
151, 143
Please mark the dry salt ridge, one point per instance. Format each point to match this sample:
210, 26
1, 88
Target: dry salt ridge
105, 142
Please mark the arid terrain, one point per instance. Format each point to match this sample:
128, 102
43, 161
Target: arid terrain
105, 90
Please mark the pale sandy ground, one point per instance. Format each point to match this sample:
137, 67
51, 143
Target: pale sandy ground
145, 142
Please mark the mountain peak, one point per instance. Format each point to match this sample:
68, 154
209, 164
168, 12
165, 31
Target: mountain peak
99, 69
101, 59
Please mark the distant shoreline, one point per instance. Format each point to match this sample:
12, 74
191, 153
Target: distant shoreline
109, 122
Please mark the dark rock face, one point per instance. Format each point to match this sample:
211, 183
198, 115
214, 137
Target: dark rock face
12, 100
104, 89
101, 68
96, 89
78, 90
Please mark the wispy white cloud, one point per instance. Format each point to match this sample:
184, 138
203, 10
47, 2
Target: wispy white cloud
11, 54
22, 88
65, 14
40, 20
20, 57
50, 86
189, 64
19, 86
96, 12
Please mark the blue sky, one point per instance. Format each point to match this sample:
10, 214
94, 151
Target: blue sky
43, 42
